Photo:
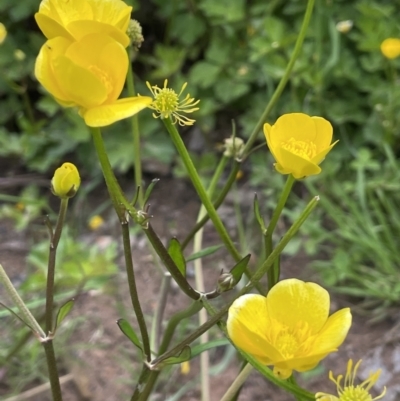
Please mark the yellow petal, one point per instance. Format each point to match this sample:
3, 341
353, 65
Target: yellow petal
247, 325
109, 113
296, 165
292, 300
104, 57
51, 28
324, 132
44, 73
317, 159
293, 125
79, 29
113, 12
79, 84
267, 133
334, 332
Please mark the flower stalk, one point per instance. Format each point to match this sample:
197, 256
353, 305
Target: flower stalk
285, 78
273, 274
194, 176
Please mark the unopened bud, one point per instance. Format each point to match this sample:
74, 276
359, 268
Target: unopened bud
135, 33
344, 26
234, 147
66, 181
226, 282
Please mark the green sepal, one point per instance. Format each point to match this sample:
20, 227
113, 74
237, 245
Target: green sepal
128, 330
63, 312
238, 270
149, 190
259, 219
175, 251
204, 252
183, 356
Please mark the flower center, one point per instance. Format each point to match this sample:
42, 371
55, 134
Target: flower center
305, 149
357, 393
287, 344
103, 76
166, 102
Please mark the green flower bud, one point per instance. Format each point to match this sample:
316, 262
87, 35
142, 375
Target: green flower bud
234, 147
135, 33
66, 181
226, 282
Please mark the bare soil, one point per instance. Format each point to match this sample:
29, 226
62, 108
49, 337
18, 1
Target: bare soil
97, 361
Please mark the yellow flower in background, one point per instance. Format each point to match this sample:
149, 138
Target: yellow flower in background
3, 33
95, 222
349, 391
74, 19
66, 181
290, 328
299, 143
90, 74
390, 48
167, 104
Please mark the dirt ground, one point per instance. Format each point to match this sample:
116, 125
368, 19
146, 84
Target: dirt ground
98, 363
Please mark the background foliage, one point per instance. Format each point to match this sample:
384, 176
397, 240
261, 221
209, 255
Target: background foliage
233, 54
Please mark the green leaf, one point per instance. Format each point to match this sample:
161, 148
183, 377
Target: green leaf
258, 215
183, 356
175, 251
127, 329
204, 74
169, 59
149, 190
198, 349
63, 312
204, 252
238, 270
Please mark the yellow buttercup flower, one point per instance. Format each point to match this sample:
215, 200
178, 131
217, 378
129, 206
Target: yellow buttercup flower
88, 73
167, 104
3, 33
299, 143
349, 391
290, 328
95, 222
66, 181
74, 19
390, 48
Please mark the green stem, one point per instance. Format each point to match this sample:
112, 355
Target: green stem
54, 240
284, 79
194, 176
238, 382
121, 205
273, 275
53, 371
135, 131
133, 290
118, 199
221, 197
158, 316
151, 377
283, 242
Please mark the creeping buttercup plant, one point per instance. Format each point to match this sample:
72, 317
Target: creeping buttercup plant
84, 65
